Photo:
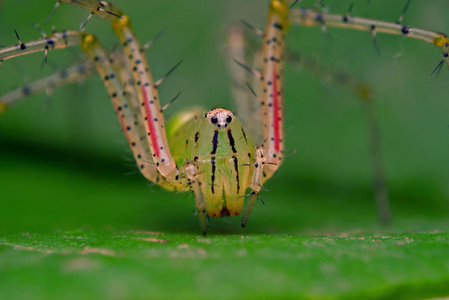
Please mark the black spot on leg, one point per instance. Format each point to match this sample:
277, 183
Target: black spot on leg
405, 30
278, 26
63, 74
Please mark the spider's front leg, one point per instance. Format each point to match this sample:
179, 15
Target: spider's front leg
146, 89
125, 104
192, 173
269, 155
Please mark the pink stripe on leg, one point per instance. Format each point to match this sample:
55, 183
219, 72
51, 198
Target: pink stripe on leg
276, 114
151, 124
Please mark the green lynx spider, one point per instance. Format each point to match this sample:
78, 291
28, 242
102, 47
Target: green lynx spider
195, 145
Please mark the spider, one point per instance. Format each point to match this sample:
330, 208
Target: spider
209, 152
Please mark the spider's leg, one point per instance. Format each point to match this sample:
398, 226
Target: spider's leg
256, 183
153, 119
58, 40
377, 162
49, 83
310, 17
366, 96
272, 104
195, 184
268, 156
125, 104
125, 108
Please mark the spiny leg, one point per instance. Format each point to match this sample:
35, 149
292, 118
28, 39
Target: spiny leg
366, 97
310, 17
146, 88
125, 106
69, 75
272, 103
126, 113
58, 40
256, 183
269, 154
377, 165
192, 173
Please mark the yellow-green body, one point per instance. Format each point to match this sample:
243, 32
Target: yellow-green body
223, 157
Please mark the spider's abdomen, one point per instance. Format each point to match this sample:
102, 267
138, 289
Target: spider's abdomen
223, 154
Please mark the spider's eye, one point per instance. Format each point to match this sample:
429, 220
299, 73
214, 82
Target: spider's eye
229, 119
214, 120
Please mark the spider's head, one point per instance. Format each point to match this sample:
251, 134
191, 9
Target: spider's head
220, 117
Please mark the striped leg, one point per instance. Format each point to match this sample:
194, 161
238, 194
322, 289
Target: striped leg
125, 106
310, 17
256, 183
69, 75
127, 110
192, 173
145, 86
58, 40
272, 103
269, 155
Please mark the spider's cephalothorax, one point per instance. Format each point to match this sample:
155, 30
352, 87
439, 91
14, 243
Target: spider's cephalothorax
218, 146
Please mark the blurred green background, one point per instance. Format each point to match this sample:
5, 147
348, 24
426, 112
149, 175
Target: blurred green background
65, 166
